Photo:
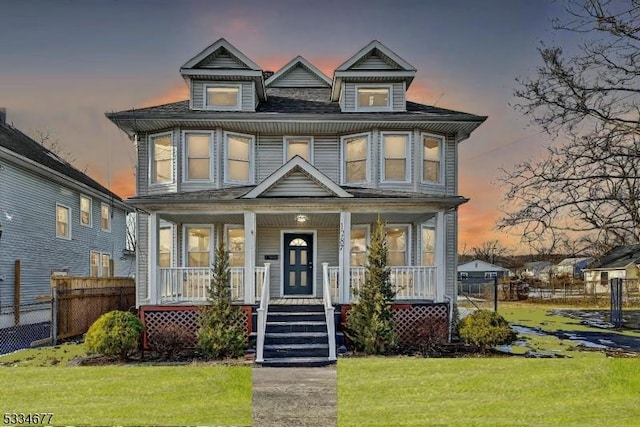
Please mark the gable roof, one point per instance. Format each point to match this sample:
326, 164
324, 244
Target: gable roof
310, 73
13, 141
618, 258
378, 49
321, 184
220, 46
479, 265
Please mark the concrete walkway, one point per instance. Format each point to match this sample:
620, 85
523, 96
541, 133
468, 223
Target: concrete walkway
295, 397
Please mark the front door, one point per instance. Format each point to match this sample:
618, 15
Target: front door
298, 264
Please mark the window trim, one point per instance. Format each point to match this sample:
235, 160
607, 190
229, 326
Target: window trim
252, 139
151, 165
69, 215
285, 146
185, 157
205, 97
442, 140
388, 107
100, 270
185, 242
407, 249
343, 158
90, 225
228, 227
463, 275
166, 225
109, 217
431, 225
408, 158
367, 237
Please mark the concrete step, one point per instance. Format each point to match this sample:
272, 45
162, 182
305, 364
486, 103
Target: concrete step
297, 362
296, 350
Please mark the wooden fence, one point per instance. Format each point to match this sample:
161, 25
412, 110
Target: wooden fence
79, 301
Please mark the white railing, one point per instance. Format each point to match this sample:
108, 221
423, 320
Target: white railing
190, 284
260, 280
328, 311
262, 316
411, 282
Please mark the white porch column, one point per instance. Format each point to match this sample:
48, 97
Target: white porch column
344, 258
441, 256
152, 261
249, 257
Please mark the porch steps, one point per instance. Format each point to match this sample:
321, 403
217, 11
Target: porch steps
296, 335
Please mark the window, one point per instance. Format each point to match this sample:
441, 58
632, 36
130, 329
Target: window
395, 148
359, 246
222, 97
198, 246
197, 157
235, 246
63, 224
238, 165
106, 265
85, 211
490, 274
429, 243
463, 275
302, 147
94, 269
105, 217
432, 147
355, 155
161, 159
165, 245
99, 264
397, 245
374, 98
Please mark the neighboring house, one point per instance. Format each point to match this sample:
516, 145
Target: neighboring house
292, 171
480, 270
621, 262
54, 219
535, 268
572, 266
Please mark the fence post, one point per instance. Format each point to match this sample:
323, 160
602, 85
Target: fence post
616, 302
54, 316
495, 294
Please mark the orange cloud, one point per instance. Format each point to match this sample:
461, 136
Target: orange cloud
123, 183
178, 92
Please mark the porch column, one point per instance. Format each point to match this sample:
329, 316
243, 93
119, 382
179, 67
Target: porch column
152, 261
344, 258
441, 256
249, 257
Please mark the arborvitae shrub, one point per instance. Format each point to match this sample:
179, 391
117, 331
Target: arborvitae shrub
486, 329
115, 333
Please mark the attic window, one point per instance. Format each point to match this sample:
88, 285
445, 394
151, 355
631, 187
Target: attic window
374, 98
222, 97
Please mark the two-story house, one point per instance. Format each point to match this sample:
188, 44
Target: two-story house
54, 219
291, 169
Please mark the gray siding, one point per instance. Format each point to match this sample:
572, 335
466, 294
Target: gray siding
398, 97
28, 209
269, 155
372, 62
398, 100
142, 260
221, 60
451, 228
299, 77
297, 184
326, 156
197, 94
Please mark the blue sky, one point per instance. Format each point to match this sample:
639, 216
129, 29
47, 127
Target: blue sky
64, 63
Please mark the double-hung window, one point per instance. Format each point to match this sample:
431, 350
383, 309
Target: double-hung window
432, 149
165, 245
235, 246
373, 98
63, 222
85, 210
397, 245
298, 146
197, 156
223, 97
396, 157
161, 155
355, 150
100, 264
198, 246
239, 164
359, 246
105, 217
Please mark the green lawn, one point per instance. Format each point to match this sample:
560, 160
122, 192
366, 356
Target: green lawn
488, 391
131, 395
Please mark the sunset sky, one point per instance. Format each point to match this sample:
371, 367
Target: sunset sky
64, 63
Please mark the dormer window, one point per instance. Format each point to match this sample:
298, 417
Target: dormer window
373, 98
222, 97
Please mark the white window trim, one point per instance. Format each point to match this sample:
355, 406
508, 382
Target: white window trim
185, 157
463, 275
367, 237
389, 106
151, 151
205, 98
285, 146
172, 254
408, 161
106, 230
442, 158
213, 242
490, 274
100, 255
407, 253
90, 225
251, 158
343, 158
68, 221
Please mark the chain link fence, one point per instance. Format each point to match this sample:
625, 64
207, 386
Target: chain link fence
20, 329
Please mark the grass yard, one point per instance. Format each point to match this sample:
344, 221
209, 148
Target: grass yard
131, 395
488, 391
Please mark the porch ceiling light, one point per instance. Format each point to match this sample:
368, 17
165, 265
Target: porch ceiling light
301, 219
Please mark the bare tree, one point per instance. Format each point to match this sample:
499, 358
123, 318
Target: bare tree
489, 251
587, 185
131, 239
54, 145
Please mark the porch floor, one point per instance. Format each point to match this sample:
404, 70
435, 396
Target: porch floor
296, 301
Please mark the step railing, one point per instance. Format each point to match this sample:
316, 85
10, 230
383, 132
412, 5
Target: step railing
329, 311
262, 315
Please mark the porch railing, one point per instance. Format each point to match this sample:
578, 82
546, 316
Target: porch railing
411, 282
262, 316
328, 312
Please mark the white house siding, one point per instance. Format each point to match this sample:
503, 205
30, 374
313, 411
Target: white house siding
326, 153
297, 184
398, 100
247, 101
142, 255
269, 155
298, 77
28, 216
